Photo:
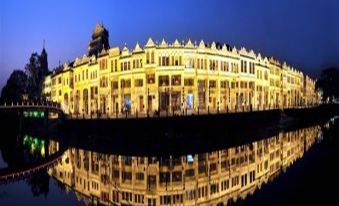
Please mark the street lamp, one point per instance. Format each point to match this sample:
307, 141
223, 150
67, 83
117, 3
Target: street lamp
229, 96
147, 102
209, 97
167, 100
159, 99
183, 99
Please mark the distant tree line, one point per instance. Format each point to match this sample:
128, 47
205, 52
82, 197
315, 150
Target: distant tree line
27, 84
328, 83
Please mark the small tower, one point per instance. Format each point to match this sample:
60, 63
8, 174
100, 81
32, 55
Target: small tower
43, 59
99, 40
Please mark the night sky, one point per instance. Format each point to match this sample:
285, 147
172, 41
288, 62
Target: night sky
302, 32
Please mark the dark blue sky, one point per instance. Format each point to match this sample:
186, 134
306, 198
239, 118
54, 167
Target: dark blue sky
304, 33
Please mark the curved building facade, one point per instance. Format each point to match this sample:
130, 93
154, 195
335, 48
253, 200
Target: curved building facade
176, 77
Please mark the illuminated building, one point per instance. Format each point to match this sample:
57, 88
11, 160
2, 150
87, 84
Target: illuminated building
175, 77
197, 179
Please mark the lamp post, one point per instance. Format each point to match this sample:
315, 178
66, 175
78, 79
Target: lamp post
183, 99
171, 101
229, 96
238, 95
252, 100
167, 100
209, 97
159, 100
147, 102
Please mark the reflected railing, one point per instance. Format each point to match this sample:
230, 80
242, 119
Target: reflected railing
32, 154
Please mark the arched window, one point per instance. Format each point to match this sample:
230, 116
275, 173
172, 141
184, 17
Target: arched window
152, 57
147, 58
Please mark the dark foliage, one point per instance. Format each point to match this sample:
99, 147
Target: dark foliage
329, 83
15, 87
30, 82
36, 73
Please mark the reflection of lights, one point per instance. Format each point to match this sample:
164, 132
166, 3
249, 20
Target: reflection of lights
34, 144
34, 114
25, 139
333, 119
303, 138
42, 151
190, 158
32, 148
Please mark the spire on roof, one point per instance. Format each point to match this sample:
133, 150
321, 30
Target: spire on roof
163, 43
125, 47
224, 47
189, 44
202, 44
125, 51
234, 49
137, 48
213, 46
176, 43
251, 53
150, 43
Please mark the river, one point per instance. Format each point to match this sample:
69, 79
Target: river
294, 166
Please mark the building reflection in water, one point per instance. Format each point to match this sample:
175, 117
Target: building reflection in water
198, 179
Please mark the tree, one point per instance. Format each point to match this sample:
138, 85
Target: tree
34, 76
15, 87
36, 70
39, 182
329, 83
29, 82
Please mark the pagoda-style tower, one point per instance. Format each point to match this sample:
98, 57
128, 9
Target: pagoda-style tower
99, 40
43, 60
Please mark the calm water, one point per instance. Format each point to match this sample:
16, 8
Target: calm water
290, 167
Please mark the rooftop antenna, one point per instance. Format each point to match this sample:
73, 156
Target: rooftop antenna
43, 44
